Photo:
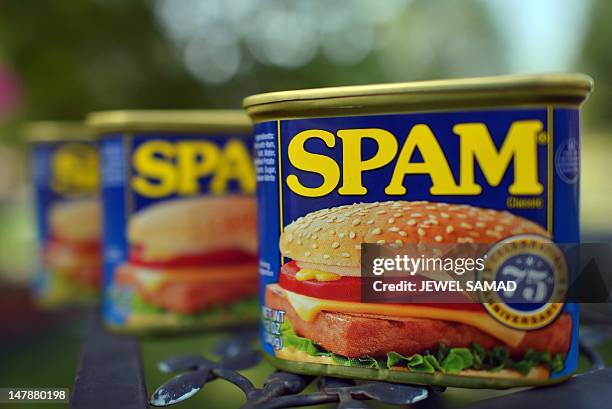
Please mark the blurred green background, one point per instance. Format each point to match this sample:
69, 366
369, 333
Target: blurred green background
62, 59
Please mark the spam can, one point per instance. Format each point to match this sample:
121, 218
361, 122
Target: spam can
484, 161
64, 162
179, 212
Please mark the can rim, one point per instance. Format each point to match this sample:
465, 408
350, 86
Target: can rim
565, 88
103, 122
55, 131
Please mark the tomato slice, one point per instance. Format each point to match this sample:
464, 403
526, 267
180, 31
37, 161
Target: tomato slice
230, 256
344, 289
349, 289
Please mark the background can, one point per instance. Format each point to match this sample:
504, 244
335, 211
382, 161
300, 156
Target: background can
179, 219
479, 159
64, 164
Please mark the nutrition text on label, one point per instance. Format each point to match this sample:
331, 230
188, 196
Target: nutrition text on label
265, 157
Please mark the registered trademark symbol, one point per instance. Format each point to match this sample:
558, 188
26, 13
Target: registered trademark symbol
543, 138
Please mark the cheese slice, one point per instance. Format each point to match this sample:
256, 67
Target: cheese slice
307, 309
307, 274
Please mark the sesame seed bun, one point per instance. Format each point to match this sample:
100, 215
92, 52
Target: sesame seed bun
195, 225
76, 220
333, 236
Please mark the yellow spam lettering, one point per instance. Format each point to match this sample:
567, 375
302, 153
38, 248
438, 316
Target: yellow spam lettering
75, 169
164, 168
476, 147
521, 144
302, 159
352, 164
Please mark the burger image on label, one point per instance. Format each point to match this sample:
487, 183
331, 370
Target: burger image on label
189, 255
325, 322
73, 250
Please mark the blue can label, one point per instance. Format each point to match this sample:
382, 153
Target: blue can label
326, 186
68, 222
179, 230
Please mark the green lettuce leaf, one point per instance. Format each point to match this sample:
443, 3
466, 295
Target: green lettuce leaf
240, 308
417, 362
557, 363
433, 361
302, 344
457, 360
362, 362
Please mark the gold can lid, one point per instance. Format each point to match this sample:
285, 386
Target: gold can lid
55, 131
497, 91
105, 122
